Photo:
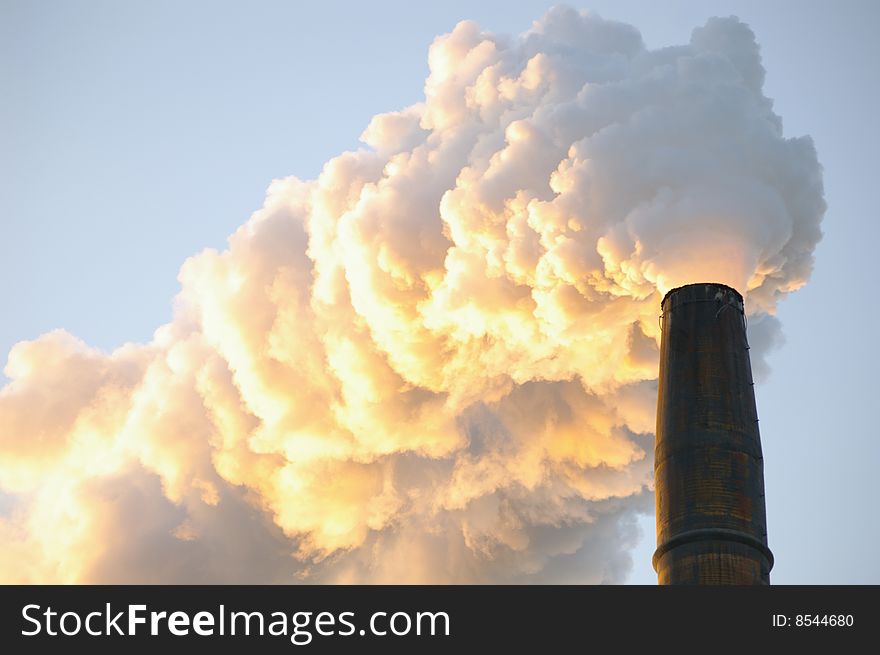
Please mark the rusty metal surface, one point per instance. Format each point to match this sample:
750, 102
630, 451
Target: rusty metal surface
708, 467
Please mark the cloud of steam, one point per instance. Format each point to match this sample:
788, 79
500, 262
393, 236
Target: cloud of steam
437, 361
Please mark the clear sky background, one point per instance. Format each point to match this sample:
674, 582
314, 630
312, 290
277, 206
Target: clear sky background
134, 134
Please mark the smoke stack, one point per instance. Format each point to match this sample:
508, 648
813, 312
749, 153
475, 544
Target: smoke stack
708, 467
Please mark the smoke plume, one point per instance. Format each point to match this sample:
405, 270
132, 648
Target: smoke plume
437, 361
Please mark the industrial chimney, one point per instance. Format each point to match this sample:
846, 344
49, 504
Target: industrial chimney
708, 467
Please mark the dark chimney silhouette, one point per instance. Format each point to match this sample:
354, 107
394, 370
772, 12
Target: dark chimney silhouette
708, 466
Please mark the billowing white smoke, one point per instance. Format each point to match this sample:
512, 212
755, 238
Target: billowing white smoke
437, 361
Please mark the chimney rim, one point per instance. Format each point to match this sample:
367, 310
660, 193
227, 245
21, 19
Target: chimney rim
718, 285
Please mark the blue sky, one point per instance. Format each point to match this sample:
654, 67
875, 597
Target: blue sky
133, 135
